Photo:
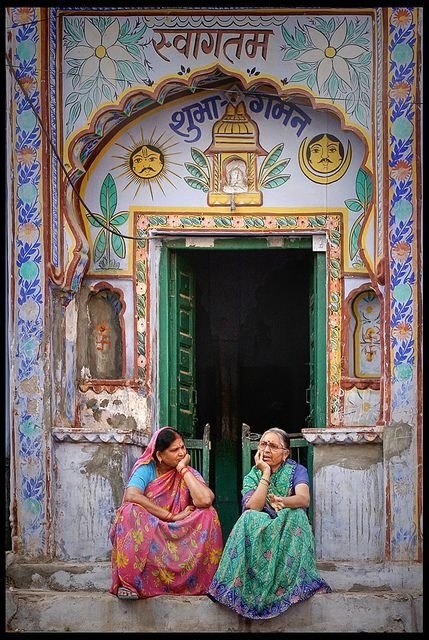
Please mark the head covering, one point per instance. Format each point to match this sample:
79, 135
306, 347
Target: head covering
147, 454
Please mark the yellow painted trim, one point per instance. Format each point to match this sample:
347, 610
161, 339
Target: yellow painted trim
261, 211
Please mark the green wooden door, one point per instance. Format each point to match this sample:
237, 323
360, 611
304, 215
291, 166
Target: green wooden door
317, 390
177, 352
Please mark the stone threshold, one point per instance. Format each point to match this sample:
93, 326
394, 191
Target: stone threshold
80, 612
95, 576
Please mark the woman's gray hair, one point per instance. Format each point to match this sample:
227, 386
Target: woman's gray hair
282, 435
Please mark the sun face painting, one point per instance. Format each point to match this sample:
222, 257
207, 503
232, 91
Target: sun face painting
323, 159
147, 162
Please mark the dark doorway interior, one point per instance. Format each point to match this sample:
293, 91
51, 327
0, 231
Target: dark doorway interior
252, 347
252, 339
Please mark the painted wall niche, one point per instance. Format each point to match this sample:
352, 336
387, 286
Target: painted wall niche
362, 361
101, 334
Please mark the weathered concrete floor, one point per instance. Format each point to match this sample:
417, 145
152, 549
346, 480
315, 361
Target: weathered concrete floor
100, 612
67, 597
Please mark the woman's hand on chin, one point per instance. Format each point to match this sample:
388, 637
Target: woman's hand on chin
184, 462
260, 463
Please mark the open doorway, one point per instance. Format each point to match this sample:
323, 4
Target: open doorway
252, 339
252, 353
241, 320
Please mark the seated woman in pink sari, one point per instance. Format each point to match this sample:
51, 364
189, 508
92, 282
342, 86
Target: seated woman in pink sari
166, 535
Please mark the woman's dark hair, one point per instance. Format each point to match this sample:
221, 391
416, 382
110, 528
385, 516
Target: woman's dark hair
282, 435
165, 438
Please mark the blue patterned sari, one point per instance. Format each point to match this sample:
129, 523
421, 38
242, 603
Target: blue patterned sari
268, 562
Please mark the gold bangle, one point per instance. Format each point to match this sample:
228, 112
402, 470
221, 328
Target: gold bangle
183, 470
265, 480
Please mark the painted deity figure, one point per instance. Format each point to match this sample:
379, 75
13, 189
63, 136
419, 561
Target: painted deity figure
236, 176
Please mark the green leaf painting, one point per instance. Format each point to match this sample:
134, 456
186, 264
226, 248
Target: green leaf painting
191, 221
286, 221
270, 160
118, 246
317, 221
100, 245
275, 182
196, 184
157, 221
196, 172
363, 187
362, 202
223, 222
109, 240
199, 170
255, 222
200, 159
108, 195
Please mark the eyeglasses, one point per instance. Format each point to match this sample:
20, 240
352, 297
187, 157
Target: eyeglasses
273, 447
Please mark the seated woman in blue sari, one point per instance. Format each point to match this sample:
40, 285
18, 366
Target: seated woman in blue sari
269, 562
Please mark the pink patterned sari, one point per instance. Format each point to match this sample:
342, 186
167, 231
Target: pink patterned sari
154, 557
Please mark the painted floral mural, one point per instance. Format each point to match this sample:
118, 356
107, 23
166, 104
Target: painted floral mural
333, 59
103, 58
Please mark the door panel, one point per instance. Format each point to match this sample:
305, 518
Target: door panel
177, 353
181, 274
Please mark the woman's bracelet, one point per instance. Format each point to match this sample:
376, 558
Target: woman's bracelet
265, 480
169, 517
183, 473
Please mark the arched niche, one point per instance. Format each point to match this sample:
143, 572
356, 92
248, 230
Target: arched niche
363, 345
101, 336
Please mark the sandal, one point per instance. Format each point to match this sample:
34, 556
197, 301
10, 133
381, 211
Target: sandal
126, 594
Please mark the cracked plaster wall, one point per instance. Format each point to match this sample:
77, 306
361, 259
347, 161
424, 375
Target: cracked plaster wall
122, 409
88, 486
349, 502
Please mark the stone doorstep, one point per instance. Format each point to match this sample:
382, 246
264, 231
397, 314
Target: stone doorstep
47, 611
73, 596
95, 576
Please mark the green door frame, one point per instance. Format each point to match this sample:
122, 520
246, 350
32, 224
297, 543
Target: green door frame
168, 360
164, 346
318, 387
